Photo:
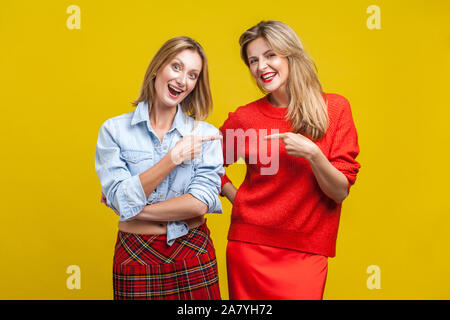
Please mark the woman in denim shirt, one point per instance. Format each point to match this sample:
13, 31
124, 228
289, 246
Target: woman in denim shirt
160, 169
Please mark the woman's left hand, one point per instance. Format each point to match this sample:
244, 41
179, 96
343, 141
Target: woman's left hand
103, 200
296, 144
332, 182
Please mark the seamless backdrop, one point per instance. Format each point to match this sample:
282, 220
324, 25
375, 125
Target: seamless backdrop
58, 85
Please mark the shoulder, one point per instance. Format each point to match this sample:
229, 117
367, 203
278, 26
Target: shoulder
339, 114
338, 106
117, 121
249, 108
337, 102
238, 117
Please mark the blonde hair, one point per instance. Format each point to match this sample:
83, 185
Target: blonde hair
307, 110
198, 104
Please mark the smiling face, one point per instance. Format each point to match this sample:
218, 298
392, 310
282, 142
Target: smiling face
270, 70
176, 79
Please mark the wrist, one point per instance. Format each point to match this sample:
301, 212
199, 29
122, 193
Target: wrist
174, 157
314, 153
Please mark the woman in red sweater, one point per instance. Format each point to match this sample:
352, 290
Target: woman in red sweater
299, 145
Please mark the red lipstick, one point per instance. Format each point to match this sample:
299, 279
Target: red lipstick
268, 76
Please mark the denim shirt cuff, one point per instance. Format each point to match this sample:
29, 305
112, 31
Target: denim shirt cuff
133, 198
134, 192
212, 201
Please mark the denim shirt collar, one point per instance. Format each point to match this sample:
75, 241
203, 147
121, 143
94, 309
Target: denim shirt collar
182, 122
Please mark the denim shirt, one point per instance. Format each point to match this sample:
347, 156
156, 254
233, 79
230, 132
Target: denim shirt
127, 145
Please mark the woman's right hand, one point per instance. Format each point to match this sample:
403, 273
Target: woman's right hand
229, 191
189, 147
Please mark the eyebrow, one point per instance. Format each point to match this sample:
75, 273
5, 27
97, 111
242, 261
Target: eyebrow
263, 53
182, 64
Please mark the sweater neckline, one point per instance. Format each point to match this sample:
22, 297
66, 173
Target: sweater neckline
270, 110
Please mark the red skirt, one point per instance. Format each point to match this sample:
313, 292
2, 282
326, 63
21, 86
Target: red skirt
258, 272
145, 267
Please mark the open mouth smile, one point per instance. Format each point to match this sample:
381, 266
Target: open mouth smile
174, 92
268, 76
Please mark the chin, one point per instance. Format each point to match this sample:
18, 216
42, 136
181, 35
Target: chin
270, 88
173, 102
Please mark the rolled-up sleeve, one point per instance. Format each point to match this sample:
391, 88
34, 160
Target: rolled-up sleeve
124, 192
206, 182
345, 146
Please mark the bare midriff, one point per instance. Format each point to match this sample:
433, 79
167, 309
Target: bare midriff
155, 227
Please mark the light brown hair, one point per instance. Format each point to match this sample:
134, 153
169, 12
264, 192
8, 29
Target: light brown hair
198, 103
307, 110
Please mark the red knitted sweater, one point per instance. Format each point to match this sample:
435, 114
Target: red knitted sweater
287, 209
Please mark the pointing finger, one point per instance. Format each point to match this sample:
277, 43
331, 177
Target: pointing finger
210, 138
275, 136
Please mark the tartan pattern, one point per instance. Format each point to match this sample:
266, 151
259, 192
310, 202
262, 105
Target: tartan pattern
145, 267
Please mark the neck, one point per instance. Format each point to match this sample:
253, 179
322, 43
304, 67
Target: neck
279, 98
161, 117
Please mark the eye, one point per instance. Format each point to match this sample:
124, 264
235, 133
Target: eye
252, 61
270, 55
193, 76
176, 66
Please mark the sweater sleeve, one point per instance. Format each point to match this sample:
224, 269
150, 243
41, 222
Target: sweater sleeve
229, 147
344, 148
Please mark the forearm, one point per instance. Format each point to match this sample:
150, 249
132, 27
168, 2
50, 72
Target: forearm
182, 207
152, 177
229, 191
332, 182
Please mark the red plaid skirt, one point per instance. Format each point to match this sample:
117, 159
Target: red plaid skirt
145, 267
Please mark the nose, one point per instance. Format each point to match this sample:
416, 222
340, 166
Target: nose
181, 80
262, 64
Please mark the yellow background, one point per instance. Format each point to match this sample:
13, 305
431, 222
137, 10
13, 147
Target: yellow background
59, 85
